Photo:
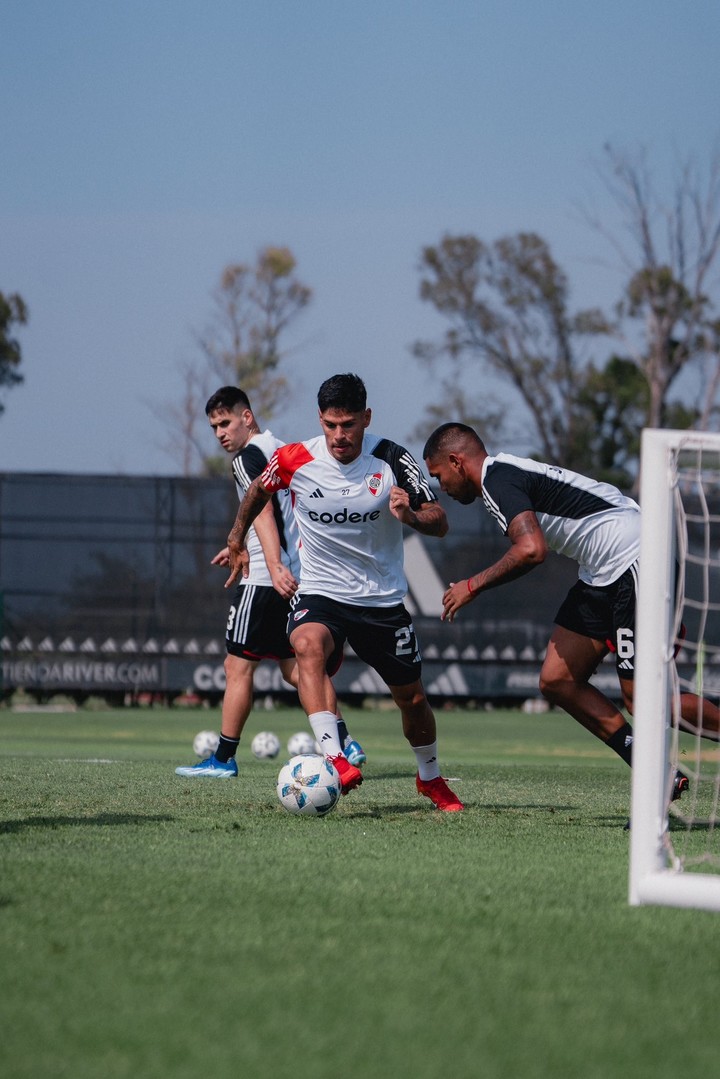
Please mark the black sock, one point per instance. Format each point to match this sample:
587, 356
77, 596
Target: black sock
621, 743
227, 748
342, 731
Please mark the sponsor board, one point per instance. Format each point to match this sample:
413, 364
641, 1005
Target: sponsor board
81, 674
456, 679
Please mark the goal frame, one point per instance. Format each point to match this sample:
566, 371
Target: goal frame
652, 880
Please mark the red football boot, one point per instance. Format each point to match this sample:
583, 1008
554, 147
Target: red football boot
350, 776
439, 794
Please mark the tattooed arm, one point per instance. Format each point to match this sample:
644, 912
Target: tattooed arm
429, 518
528, 549
256, 498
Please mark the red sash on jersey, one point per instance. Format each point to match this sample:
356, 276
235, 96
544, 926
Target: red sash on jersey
283, 464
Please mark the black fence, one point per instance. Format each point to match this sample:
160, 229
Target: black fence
107, 589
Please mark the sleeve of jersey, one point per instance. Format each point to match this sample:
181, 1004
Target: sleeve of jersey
247, 466
506, 493
283, 465
407, 472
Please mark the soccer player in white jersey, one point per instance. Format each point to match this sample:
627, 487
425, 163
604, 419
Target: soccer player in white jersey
256, 626
541, 507
352, 494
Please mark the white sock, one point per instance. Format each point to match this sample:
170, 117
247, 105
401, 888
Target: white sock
427, 761
324, 725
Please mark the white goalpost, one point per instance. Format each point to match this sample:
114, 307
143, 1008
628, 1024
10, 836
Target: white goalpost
675, 846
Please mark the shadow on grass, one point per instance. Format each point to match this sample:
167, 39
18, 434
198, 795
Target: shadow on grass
492, 807
548, 807
616, 820
675, 824
8, 827
383, 776
384, 813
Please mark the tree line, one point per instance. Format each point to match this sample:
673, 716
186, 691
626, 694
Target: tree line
506, 306
514, 358
509, 326
13, 313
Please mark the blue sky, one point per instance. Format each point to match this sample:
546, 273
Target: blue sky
146, 144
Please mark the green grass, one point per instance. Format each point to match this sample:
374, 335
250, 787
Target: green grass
152, 926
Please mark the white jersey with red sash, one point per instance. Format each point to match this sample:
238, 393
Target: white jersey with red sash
351, 546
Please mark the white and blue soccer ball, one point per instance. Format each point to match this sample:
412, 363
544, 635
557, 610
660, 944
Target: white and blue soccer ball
265, 745
205, 743
309, 785
302, 743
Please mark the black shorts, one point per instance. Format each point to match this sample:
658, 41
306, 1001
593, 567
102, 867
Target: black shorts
605, 614
257, 624
382, 637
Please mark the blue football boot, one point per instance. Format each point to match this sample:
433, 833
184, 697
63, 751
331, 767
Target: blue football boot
211, 767
354, 752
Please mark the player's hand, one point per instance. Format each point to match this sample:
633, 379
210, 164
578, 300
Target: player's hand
239, 562
283, 580
455, 597
222, 558
400, 505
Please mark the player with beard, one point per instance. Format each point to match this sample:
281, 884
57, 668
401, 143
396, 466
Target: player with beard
352, 494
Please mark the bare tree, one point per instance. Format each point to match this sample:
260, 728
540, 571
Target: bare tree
253, 307
507, 304
186, 440
673, 254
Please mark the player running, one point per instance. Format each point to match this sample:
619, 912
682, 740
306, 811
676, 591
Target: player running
541, 507
257, 622
352, 493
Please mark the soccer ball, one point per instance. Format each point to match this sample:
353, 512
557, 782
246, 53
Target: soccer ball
205, 743
309, 785
302, 743
265, 745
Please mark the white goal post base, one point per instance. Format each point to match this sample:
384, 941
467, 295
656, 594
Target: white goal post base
656, 875
668, 888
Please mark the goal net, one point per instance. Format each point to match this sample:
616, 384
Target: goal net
675, 845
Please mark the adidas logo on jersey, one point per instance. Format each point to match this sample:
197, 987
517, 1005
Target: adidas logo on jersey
317, 493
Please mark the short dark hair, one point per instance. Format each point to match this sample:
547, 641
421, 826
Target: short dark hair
451, 436
343, 391
226, 399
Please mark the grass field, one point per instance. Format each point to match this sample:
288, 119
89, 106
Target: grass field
152, 926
